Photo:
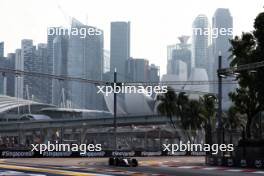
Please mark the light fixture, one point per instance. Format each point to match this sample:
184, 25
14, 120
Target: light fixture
253, 71
236, 73
223, 76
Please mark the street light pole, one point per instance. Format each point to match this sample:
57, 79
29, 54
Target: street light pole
219, 118
115, 124
219, 112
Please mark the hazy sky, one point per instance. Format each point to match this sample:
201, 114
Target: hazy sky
154, 23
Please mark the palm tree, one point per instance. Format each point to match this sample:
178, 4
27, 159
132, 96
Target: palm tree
170, 104
208, 114
234, 118
248, 49
247, 103
182, 102
191, 120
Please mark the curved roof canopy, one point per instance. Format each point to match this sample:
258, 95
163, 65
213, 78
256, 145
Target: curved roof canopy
9, 103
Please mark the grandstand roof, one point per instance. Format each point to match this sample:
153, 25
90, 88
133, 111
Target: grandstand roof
8, 103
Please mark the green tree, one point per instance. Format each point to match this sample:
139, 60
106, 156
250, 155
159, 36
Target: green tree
249, 48
208, 114
191, 120
234, 119
171, 104
199, 114
167, 105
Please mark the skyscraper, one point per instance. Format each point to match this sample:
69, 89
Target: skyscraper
85, 60
11, 77
180, 69
170, 49
42, 88
27, 64
59, 87
222, 19
200, 42
32, 59
19, 65
7, 79
120, 48
49, 61
2, 76
106, 61
154, 73
211, 67
138, 70
181, 52
2, 49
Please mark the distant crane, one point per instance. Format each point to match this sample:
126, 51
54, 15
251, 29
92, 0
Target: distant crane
67, 17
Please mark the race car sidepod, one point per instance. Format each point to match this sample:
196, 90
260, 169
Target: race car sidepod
121, 161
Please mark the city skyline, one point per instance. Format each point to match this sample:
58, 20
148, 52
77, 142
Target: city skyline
102, 87
31, 22
70, 54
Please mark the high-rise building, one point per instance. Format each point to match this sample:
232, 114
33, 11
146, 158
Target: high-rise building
222, 20
60, 54
85, 60
181, 69
154, 73
42, 88
2, 49
106, 61
120, 48
32, 59
211, 69
19, 82
49, 61
50, 38
200, 38
182, 52
170, 49
139, 70
7, 83
10, 91
27, 64
2, 76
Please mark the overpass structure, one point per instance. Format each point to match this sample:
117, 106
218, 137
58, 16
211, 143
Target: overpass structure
24, 122
133, 131
15, 126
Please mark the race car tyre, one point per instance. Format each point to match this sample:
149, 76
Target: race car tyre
134, 163
112, 161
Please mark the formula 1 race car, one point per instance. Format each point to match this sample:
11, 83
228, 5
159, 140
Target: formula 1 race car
121, 161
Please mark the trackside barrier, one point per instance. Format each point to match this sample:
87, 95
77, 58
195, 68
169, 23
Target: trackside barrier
108, 153
235, 162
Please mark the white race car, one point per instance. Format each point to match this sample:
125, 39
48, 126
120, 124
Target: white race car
121, 161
